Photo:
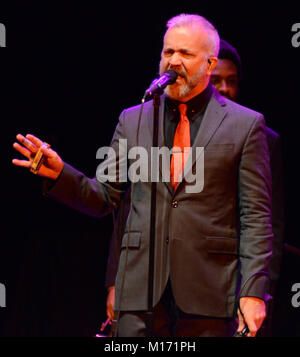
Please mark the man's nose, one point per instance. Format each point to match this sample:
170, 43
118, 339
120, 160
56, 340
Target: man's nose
175, 60
223, 87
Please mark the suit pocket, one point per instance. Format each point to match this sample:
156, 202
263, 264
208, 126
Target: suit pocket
222, 245
134, 240
219, 147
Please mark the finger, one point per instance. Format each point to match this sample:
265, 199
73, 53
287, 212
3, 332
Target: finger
25, 152
35, 140
110, 312
22, 163
241, 322
256, 325
40, 144
27, 143
47, 151
252, 330
252, 327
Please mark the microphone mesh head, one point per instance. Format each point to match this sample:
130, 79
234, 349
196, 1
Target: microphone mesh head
172, 75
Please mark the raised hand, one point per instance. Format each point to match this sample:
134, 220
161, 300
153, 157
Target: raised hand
52, 164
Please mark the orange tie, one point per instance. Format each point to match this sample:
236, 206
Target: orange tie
182, 141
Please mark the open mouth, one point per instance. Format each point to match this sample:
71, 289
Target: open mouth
180, 78
180, 75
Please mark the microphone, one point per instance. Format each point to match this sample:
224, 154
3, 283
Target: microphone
158, 85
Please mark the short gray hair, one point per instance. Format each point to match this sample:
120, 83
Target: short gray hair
185, 20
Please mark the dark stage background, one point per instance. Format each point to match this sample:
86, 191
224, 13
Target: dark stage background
66, 74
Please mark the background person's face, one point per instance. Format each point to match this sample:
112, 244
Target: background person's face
225, 79
183, 52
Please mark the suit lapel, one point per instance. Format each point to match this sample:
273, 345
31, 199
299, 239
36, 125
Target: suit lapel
212, 119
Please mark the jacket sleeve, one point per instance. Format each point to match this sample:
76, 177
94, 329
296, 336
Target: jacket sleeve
93, 196
116, 240
255, 212
277, 207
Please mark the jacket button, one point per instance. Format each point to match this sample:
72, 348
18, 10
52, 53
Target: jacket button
175, 204
167, 240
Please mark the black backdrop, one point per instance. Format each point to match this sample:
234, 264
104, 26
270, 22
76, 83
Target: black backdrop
66, 74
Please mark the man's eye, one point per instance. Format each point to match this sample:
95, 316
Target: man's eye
232, 81
168, 53
187, 54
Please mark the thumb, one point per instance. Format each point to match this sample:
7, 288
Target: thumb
241, 321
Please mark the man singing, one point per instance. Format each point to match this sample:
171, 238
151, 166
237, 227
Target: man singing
203, 270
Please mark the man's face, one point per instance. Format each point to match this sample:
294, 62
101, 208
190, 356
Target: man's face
225, 79
183, 51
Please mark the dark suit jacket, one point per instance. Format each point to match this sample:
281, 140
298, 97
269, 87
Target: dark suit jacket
275, 149
196, 240
116, 240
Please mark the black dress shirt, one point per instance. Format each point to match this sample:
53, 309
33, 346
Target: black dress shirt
195, 111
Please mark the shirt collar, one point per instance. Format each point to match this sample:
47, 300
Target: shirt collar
194, 106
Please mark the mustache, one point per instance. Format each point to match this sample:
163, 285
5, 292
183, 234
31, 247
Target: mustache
180, 71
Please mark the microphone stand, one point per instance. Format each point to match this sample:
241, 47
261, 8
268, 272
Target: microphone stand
149, 314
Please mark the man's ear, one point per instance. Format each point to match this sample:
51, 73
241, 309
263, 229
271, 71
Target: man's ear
212, 62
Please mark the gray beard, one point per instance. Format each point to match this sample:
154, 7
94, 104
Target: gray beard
184, 90
178, 93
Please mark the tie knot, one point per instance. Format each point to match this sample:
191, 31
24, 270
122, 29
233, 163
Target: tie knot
182, 108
